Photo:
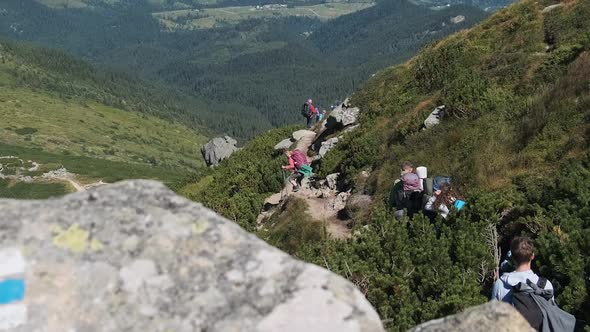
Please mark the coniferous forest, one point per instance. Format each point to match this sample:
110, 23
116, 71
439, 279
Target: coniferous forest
250, 76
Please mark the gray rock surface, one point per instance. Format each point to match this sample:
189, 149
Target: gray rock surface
135, 257
218, 149
457, 19
340, 201
492, 316
332, 181
284, 144
300, 134
435, 117
345, 116
327, 145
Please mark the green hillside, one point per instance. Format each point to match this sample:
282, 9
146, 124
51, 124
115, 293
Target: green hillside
515, 141
57, 111
236, 74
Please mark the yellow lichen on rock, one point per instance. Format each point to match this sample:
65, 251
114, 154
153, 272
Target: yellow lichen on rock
75, 239
200, 227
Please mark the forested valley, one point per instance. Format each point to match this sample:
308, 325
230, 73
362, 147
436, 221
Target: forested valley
248, 77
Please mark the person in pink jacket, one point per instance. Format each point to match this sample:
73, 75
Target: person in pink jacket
297, 159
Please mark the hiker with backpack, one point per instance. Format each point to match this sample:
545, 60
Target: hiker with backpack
309, 111
300, 165
408, 191
530, 294
443, 200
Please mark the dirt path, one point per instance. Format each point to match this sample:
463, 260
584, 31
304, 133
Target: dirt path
320, 209
76, 185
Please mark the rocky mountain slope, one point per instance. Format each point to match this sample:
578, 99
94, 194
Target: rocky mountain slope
514, 138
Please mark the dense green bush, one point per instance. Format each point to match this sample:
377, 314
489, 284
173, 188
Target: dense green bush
238, 187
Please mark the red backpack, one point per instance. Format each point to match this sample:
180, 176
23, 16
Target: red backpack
299, 159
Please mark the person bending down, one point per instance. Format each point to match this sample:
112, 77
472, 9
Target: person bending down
297, 160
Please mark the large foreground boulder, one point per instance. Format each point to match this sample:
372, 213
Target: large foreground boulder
492, 316
135, 257
218, 149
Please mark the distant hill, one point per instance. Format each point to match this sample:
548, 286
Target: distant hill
59, 111
241, 70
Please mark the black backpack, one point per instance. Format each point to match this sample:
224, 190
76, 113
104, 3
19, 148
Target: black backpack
526, 305
306, 110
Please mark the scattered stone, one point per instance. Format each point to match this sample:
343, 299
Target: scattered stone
457, 19
327, 145
218, 149
164, 264
340, 201
284, 144
61, 173
435, 117
492, 316
551, 8
332, 181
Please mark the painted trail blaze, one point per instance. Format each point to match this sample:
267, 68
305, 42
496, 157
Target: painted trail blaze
13, 311
12, 290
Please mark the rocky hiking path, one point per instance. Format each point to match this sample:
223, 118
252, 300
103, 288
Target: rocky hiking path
323, 199
322, 209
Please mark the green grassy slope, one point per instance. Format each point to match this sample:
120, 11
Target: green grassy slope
57, 110
516, 141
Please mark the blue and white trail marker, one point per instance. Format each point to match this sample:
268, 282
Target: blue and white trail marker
13, 312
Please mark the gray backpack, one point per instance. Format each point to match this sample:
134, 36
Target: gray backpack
532, 300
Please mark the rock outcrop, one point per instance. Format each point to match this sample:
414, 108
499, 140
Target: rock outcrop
327, 145
344, 115
135, 257
218, 149
303, 133
435, 117
492, 316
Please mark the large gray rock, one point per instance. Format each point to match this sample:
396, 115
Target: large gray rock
327, 145
345, 116
218, 149
435, 117
492, 316
300, 134
284, 144
135, 257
